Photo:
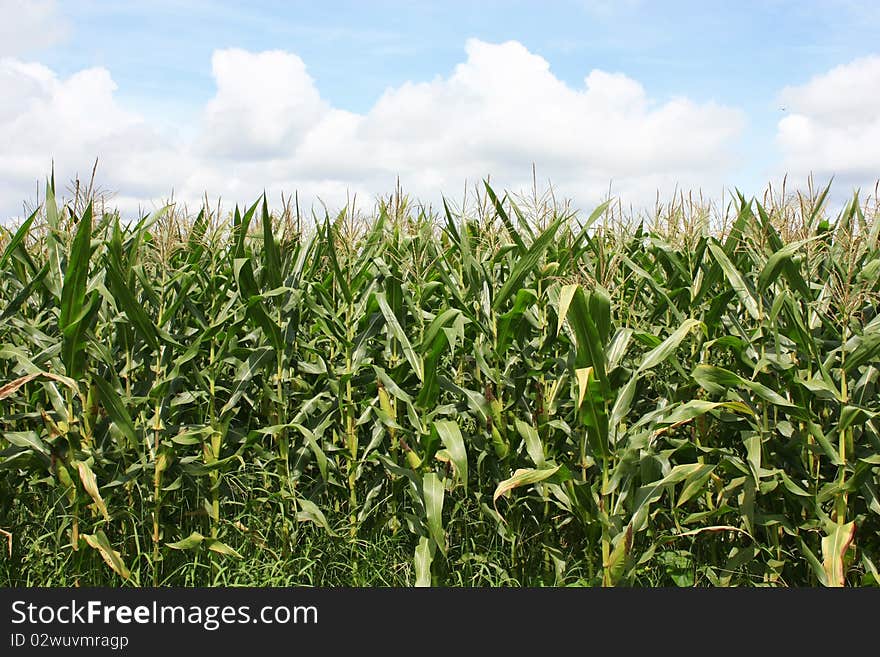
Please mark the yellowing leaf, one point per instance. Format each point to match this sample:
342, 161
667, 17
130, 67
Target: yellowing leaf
522, 477
90, 483
834, 547
99, 541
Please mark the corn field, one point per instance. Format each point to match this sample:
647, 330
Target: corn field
503, 397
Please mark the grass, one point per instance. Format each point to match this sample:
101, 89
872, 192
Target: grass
510, 395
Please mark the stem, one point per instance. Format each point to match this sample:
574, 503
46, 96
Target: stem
351, 437
157, 482
606, 539
283, 446
211, 451
843, 439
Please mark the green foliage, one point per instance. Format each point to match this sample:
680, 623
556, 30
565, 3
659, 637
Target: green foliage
506, 400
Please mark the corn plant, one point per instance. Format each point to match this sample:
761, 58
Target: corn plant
489, 394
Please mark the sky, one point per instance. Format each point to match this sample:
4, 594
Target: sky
334, 100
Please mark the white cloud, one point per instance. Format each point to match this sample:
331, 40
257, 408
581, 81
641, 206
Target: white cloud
832, 126
27, 25
71, 122
265, 104
267, 127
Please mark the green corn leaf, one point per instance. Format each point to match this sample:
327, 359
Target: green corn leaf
666, 348
76, 276
424, 556
329, 242
241, 226
776, 263
315, 447
116, 410
256, 310
74, 308
450, 436
533, 442
435, 329
25, 293
398, 333
221, 548
245, 373
525, 265
16, 240
271, 256
617, 347
697, 407
309, 512
736, 281
190, 542
614, 566
863, 348
815, 565
718, 380
508, 224
591, 352
27, 440
694, 484
131, 307
593, 414
509, 320
434, 493
585, 228
600, 312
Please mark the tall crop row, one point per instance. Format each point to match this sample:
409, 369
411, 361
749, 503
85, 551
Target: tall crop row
597, 403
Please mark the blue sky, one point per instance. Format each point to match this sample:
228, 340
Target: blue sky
152, 66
